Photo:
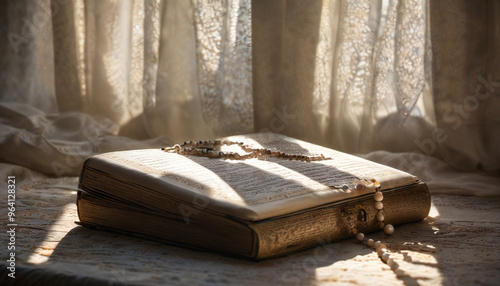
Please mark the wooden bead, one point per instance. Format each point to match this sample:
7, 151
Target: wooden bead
360, 236
386, 256
381, 245
392, 263
370, 243
360, 187
376, 244
381, 251
380, 216
389, 229
379, 205
378, 196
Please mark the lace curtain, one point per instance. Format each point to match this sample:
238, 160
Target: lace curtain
356, 75
466, 84
344, 73
178, 63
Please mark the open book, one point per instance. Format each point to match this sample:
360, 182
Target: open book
257, 208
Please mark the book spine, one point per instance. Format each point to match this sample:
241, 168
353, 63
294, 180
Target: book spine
280, 236
80, 189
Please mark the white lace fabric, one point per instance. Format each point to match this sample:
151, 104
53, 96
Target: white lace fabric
354, 75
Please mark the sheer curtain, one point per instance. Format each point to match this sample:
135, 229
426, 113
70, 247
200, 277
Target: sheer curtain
75, 74
83, 77
347, 73
466, 71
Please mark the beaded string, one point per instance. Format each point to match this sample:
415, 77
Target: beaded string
212, 149
378, 246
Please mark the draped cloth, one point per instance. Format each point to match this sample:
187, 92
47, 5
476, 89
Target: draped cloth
418, 79
347, 73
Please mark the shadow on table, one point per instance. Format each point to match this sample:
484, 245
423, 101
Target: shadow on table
464, 239
125, 260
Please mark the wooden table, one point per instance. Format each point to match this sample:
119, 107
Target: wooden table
458, 244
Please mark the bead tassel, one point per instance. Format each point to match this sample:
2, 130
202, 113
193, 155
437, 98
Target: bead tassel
378, 246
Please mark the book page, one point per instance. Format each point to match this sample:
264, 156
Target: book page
268, 186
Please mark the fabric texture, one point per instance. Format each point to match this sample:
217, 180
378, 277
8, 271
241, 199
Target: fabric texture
345, 74
418, 79
466, 85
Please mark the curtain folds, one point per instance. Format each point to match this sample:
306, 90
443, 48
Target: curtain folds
355, 75
344, 74
466, 71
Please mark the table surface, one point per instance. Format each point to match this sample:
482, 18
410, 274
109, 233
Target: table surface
458, 244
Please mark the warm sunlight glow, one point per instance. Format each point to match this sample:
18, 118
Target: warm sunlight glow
433, 213
44, 249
